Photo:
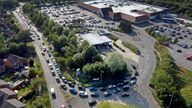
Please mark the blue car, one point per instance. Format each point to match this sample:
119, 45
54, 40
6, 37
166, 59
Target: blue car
92, 89
73, 91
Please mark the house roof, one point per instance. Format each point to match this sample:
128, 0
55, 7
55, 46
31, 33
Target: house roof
7, 91
2, 82
16, 103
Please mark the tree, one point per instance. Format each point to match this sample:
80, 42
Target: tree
89, 54
32, 73
31, 63
78, 61
125, 26
187, 95
116, 64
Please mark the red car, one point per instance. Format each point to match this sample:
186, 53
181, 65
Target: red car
189, 58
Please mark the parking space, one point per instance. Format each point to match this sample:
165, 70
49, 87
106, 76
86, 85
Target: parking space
180, 44
68, 15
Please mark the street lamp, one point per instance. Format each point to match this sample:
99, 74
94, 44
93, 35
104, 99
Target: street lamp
101, 77
171, 100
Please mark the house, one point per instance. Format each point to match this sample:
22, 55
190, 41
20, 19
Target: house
15, 62
2, 66
3, 84
8, 99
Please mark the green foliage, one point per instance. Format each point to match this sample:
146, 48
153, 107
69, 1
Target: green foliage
114, 38
125, 26
130, 46
180, 7
187, 95
116, 64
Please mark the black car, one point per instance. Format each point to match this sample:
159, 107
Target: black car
102, 89
92, 103
136, 73
64, 86
125, 81
81, 88
73, 91
120, 84
71, 84
58, 80
125, 87
65, 81
94, 94
133, 77
180, 51
125, 95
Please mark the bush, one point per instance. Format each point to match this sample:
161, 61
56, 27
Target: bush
125, 26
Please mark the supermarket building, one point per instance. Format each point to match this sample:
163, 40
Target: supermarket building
134, 12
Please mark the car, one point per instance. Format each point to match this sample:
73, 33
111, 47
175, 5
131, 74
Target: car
116, 90
42, 53
125, 87
63, 106
63, 86
73, 91
133, 82
134, 67
57, 79
179, 51
53, 73
110, 87
125, 81
92, 89
71, 84
94, 94
120, 84
83, 94
92, 103
81, 88
125, 94
136, 73
133, 77
60, 75
65, 81
106, 94
102, 89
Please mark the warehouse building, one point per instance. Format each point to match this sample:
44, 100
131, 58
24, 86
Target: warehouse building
131, 11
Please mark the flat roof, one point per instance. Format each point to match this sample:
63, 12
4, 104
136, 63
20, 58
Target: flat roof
95, 39
16, 103
125, 7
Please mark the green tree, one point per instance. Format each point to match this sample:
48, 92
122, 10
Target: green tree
125, 26
89, 54
116, 64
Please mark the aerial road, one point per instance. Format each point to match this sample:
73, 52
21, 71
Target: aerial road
147, 62
50, 80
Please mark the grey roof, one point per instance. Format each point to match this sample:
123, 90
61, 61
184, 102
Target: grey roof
2, 82
7, 91
16, 103
95, 39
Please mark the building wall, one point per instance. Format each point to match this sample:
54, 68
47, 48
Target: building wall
114, 16
88, 7
127, 17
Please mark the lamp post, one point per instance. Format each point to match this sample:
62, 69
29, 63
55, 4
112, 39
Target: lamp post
101, 77
171, 100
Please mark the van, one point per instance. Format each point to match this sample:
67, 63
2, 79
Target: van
52, 90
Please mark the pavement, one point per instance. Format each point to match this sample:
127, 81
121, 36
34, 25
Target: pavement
50, 80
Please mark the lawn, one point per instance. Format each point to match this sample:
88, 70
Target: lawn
112, 105
130, 46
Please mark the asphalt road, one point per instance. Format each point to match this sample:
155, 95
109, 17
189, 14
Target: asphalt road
50, 80
147, 62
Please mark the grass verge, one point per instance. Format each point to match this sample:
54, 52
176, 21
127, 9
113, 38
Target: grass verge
105, 104
130, 46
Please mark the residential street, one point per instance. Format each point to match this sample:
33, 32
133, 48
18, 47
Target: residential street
50, 80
